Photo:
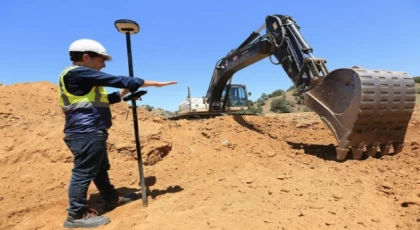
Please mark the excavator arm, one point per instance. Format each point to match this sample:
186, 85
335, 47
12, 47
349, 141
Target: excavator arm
365, 109
283, 41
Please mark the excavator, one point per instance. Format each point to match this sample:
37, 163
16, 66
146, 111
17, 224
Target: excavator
365, 109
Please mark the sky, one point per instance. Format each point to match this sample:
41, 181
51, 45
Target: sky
182, 40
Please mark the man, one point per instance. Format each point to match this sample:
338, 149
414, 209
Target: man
85, 104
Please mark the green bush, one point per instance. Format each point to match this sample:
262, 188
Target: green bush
290, 88
295, 93
277, 93
280, 105
255, 109
306, 109
263, 97
148, 108
261, 102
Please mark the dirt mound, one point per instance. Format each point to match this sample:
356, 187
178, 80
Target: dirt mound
250, 172
32, 122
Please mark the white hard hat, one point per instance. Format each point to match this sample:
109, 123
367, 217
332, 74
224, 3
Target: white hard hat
89, 45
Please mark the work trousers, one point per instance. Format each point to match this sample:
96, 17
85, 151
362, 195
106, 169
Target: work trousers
91, 163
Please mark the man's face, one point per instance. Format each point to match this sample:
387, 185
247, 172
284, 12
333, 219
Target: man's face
97, 62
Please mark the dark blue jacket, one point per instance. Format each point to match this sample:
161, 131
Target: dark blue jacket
79, 81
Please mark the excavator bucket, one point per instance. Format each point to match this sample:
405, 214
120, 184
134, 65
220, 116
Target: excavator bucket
365, 109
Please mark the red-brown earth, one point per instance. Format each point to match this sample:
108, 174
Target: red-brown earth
251, 172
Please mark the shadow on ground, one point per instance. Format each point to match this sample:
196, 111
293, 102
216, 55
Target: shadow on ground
246, 124
325, 152
96, 202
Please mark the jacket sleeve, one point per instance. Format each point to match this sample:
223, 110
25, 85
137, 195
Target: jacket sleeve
91, 77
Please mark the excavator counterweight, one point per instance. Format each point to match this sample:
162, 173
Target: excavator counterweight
365, 109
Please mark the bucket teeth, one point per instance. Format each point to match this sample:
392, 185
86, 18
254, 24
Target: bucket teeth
371, 150
385, 148
341, 153
398, 147
357, 153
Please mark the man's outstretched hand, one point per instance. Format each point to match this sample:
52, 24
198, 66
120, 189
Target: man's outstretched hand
161, 84
148, 83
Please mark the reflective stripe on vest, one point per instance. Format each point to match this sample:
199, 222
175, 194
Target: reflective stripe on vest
97, 97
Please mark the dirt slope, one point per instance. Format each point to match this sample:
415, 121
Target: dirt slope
274, 172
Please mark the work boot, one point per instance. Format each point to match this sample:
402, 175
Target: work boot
112, 202
87, 219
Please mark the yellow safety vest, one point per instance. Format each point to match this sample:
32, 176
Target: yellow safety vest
97, 97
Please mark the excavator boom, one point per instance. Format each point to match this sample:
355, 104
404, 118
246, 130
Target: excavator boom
365, 109
284, 42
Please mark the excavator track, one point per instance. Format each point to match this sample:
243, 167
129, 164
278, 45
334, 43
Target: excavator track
365, 109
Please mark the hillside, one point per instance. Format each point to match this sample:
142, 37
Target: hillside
230, 172
156, 111
289, 102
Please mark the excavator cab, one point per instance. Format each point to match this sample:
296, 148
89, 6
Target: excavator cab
237, 99
198, 107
